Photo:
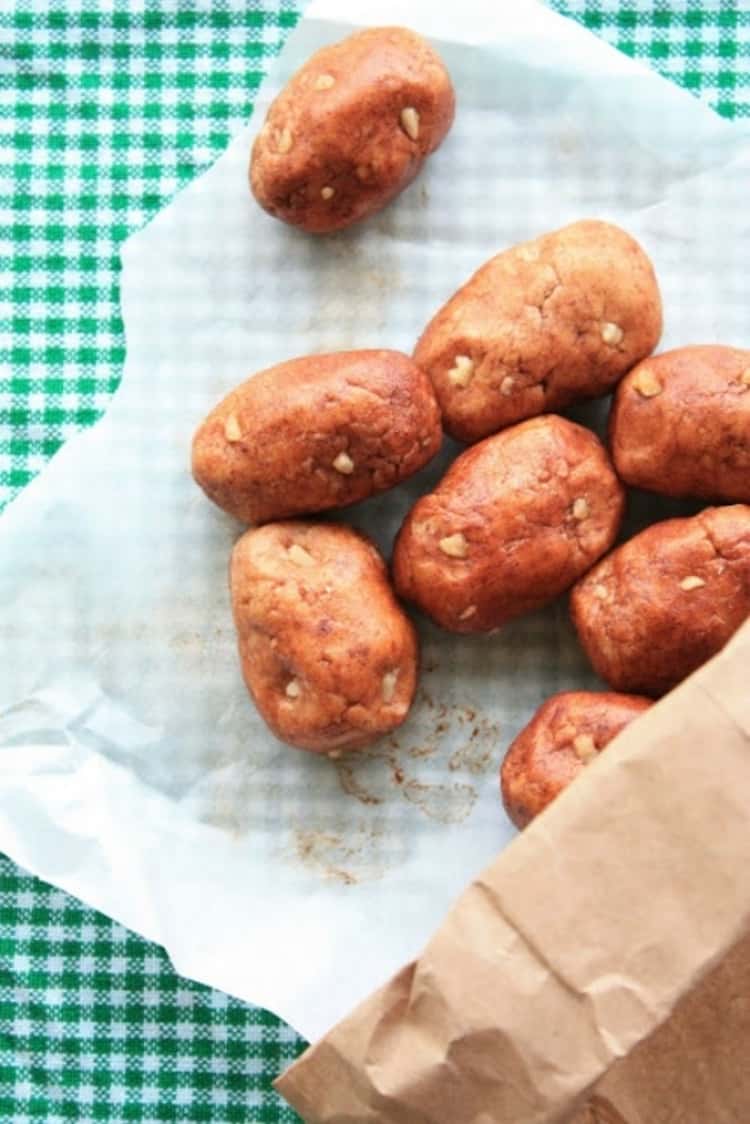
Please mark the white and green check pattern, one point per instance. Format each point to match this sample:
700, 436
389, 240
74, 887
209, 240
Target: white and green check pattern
96, 1026
107, 107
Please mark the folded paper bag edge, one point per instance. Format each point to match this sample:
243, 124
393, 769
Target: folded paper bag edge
488, 1033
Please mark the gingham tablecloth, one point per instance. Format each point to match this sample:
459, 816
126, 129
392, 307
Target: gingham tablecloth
107, 108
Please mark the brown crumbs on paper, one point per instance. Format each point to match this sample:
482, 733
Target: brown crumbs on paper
350, 855
351, 786
465, 741
445, 803
478, 754
421, 752
316, 849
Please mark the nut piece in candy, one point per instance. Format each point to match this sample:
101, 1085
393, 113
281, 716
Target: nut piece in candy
692, 582
232, 430
462, 371
300, 556
410, 122
612, 333
581, 509
327, 192
284, 140
647, 384
468, 612
292, 689
324, 82
600, 592
506, 386
344, 464
388, 685
455, 546
585, 748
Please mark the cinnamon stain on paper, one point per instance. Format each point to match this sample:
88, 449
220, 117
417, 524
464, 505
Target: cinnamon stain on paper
347, 861
442, 802
475, 756
371, 775
347, 821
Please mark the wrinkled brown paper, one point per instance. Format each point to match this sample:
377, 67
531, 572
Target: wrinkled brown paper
694, 1069
613, 910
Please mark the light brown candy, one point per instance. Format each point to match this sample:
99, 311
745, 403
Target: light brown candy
667, 600
351, 129
680, 424
567, 732
316, 433
539, 326
513, 523
327, 653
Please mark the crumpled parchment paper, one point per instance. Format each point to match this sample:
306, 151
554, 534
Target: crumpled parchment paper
134, 771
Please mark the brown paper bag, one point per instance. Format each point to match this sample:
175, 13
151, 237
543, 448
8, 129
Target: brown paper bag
694, 1069
574, 946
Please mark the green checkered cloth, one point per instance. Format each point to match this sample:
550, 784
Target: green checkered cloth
106, 110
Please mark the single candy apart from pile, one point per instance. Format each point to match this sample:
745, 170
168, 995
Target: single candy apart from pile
316, 433
664, 602
351, 129
540, 326
680, 424
515, 522
327, 653
565, 735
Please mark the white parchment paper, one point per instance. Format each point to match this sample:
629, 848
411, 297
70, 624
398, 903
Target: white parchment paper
134, 771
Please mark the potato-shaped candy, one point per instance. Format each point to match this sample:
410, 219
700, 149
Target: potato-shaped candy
540, 326
567, 732
513, 523
327, 653
317, 433
351, 129
680, 424
667, 600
